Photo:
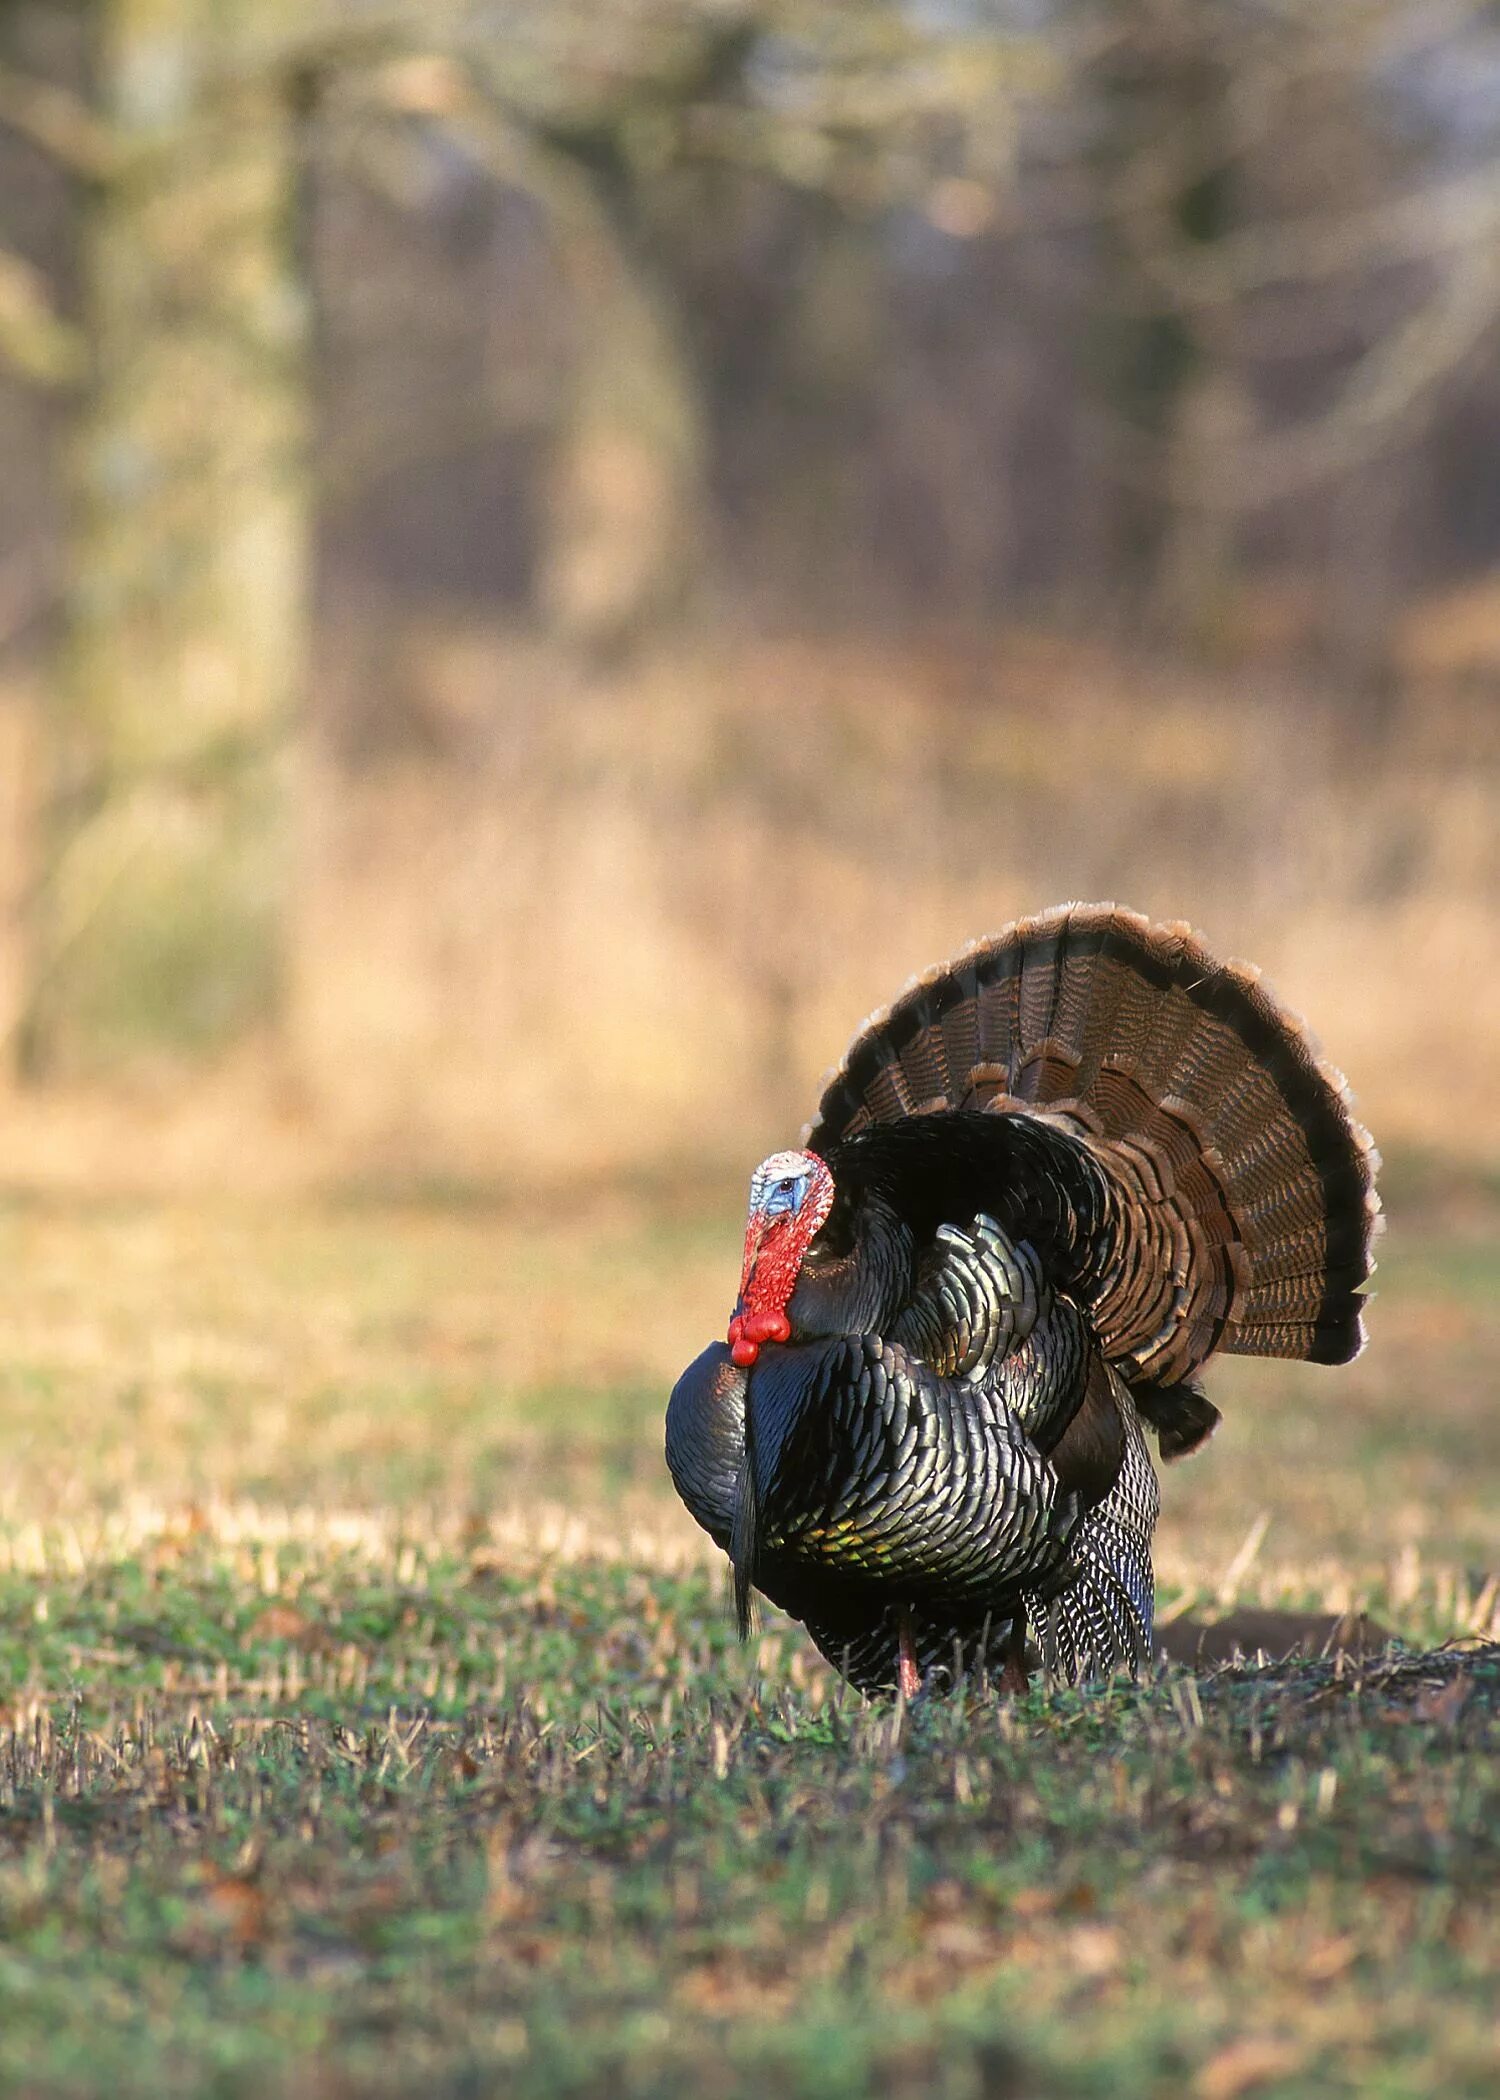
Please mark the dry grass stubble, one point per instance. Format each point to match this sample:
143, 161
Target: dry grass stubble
370, 1717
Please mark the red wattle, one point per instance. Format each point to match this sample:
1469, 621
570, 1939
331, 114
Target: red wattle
747, 1330
774, 1247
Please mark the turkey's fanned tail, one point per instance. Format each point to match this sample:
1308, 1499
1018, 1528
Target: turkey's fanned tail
1239, 1209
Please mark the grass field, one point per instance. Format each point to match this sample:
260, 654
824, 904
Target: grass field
370, 1720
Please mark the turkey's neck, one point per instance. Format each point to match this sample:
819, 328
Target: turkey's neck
859, 1290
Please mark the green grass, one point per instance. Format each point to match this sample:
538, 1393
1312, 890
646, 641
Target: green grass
371, 1721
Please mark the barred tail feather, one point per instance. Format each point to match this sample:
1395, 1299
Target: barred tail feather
1241, 1186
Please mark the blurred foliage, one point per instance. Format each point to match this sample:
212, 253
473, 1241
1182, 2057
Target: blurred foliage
1166, 327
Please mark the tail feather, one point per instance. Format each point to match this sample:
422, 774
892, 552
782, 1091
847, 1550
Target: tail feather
1244, 1184
1183, 1416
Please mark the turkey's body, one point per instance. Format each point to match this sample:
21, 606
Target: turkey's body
1058, 1175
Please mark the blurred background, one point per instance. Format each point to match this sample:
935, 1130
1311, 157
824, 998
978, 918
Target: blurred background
551, 554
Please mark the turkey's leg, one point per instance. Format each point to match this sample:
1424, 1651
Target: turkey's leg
908, 1676
1014, 1675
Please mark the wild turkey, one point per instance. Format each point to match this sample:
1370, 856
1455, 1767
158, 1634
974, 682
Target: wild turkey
1039, 1193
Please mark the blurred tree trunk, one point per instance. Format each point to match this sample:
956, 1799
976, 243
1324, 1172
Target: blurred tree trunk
624, 509
1166, 193
158, 930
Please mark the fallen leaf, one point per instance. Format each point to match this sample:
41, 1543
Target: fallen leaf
1244, 2065
237, 1908
1094, 1950
281, 1622
962, 1943
725, 1990
1442, 1704
1331, 1958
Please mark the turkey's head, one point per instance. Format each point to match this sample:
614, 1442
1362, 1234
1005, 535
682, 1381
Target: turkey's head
791, 1194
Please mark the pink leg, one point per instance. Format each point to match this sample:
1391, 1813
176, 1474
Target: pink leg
1015, 1677
908, 1676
